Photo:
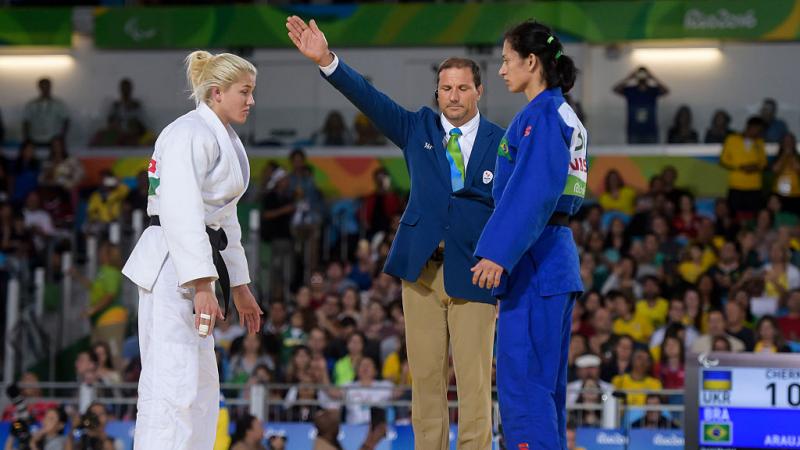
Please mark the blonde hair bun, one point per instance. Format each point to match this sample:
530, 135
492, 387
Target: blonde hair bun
204, 71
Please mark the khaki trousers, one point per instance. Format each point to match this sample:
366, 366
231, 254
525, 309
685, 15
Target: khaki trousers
434, 322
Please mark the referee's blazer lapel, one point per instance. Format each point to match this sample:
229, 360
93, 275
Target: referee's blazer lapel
480, 151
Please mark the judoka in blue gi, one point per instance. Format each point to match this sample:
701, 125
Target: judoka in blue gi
529, 256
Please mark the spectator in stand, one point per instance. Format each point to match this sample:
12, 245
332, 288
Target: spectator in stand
105, 310
378, 208
620, 360
617, 196
669, 178
38, 221
351, 305
727, 272
105, 204
294, 336
623, 278
628, 322
751, 258
716, 329
721, 344
790, 323
226, 331
686, 222
681, 131
774, 128
337, 282
101, 352
249, 434
654, 418
253, 354
743, 155
24, 173
780, 275
675, 316
334, 132
277, 319
45, 117
327, 428
278, 207
60, 169
344, 371
51, 436
691, 266
85, 365
696, 310
783, 218
36, 409
587, 367
58, 185
363, 269
765, 233
667, 246
365, 392
603, 338
276, 441
589, 393
652, 306
670, 367
137, 198
641, 90
720, 128
768, 337
307, 217
128, 113
786, 170
638, 378
725, 226
617, 242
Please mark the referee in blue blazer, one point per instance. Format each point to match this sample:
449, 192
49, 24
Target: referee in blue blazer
450, 156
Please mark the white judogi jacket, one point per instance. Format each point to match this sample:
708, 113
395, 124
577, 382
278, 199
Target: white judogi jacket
197, 174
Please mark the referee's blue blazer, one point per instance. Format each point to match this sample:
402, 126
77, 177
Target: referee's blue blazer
435, 213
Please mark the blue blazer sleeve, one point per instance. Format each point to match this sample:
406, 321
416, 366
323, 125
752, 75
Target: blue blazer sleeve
529, 199
393, 120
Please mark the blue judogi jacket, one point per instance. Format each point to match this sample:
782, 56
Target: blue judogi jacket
541, 170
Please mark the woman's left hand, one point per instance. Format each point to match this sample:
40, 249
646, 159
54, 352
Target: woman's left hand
249, 311
486, 274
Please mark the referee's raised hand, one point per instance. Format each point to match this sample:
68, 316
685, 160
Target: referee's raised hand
310, 40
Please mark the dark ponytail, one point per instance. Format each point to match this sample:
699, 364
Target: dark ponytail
531, 37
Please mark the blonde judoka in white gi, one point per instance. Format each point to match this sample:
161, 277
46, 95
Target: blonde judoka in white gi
198, 172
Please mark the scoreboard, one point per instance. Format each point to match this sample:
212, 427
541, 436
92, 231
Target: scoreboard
742, 401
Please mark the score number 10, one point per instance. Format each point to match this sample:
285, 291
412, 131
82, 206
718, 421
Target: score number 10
792, 394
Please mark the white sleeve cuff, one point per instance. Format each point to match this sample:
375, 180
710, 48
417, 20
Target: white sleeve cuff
330, 68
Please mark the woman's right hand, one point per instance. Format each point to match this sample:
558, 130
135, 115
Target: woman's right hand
205, 302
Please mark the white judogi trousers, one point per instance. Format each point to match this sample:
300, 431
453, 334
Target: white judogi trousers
178, 401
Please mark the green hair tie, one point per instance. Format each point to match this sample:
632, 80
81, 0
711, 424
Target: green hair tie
558, 54
550, 39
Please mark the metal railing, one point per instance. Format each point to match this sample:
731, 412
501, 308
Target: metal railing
269, 402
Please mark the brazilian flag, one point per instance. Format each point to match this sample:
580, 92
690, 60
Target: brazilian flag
717, 432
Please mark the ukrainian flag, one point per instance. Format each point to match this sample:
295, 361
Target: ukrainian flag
717, 380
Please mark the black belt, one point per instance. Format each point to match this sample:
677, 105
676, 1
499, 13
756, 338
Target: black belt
559, 219
218, 241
